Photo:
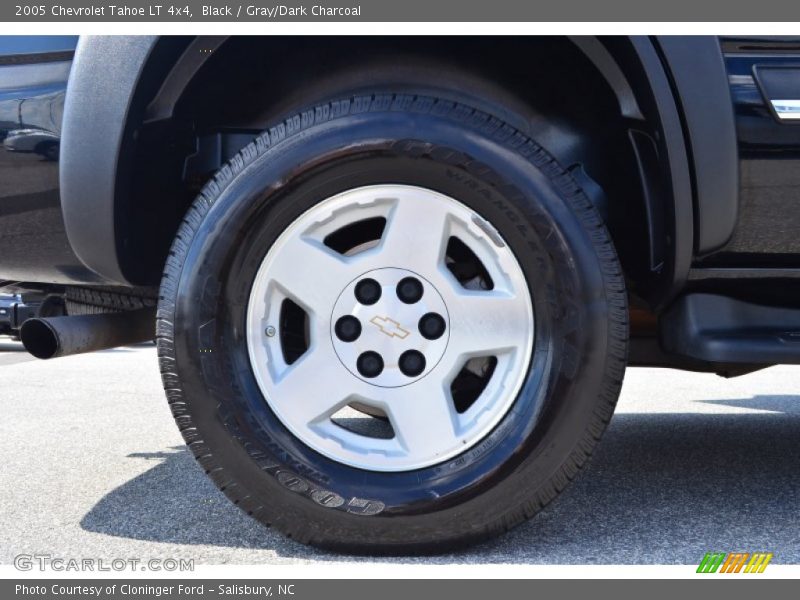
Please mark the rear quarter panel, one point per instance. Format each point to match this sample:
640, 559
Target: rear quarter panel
33, 244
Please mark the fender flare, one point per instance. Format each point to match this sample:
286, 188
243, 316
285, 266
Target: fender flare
687, 78
101, 86
101, 112
691, 96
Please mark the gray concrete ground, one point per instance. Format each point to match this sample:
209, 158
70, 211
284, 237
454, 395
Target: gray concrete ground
93, 466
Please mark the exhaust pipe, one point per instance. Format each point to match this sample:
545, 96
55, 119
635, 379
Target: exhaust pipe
62, 336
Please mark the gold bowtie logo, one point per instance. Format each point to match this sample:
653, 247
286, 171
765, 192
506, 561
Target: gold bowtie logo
390, 327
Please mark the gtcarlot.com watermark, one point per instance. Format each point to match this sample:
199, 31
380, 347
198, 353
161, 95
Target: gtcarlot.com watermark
48, 562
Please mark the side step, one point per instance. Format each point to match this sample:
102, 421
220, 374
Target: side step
719, 329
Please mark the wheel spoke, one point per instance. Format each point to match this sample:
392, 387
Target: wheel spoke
424, 420
305, 389
310, 273
416, 234
486, 323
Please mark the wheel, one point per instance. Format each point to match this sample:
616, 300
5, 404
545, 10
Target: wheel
392, 324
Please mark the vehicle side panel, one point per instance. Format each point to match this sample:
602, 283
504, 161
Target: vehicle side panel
766, 233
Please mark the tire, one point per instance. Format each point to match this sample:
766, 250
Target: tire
95, 301
525, 203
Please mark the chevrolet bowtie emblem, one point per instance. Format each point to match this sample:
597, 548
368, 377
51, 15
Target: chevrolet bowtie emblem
390, 327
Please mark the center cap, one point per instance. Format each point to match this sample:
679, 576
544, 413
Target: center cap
390, 327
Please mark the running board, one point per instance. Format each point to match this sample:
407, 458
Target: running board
719, 329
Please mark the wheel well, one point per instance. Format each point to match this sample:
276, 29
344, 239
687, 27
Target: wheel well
546, 86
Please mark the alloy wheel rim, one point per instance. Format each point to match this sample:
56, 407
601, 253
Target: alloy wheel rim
403, 345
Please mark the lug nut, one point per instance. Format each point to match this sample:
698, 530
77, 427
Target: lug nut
347, 328
432, 326
370, 364
412, 363
409, 290
368, 291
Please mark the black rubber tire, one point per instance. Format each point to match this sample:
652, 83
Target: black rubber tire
563, 247
95, 301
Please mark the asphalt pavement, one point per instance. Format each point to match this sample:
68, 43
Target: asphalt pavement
93, 466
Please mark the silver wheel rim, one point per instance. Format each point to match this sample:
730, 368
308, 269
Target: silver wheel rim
330, 377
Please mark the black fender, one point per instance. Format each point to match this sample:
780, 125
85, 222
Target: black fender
100, 89
700, 83
682, 79
694, 135
110, 79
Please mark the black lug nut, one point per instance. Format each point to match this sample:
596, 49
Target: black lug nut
370, 364
347, 328
432, 326
368, 291
412, 363
409, 290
